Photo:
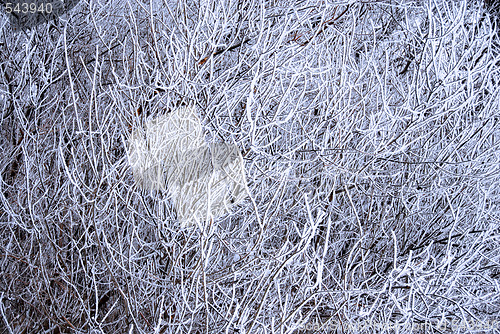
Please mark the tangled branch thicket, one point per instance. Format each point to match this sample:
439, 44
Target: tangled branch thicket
370, 137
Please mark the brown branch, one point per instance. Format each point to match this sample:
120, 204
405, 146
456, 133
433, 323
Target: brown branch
218, 52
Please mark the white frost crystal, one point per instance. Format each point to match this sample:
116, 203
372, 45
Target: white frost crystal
204, 180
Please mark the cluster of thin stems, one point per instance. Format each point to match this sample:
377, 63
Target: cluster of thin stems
369, 133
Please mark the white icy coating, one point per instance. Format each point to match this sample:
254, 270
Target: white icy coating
372, 140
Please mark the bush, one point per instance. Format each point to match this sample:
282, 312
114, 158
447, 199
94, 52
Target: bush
369, 136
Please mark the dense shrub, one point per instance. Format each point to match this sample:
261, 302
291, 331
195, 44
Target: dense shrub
370, 138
